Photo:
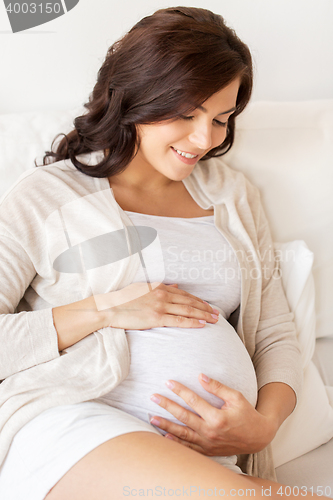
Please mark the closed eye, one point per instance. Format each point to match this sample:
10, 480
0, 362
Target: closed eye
183, 117
221, 124
217, 122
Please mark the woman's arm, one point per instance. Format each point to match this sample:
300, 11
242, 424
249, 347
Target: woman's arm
276, 401
30, 338
135, 306
75, 321
26, 338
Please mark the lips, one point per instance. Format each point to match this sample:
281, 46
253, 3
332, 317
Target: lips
185, 154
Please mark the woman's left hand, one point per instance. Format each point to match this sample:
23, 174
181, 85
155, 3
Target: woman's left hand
237, 427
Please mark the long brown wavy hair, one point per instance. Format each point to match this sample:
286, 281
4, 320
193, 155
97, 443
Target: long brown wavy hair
168, 64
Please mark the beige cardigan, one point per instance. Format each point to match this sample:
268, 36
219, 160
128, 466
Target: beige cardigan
35, 375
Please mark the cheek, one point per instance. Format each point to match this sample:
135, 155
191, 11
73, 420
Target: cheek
159, 138
149, 144
172, 132
219, 136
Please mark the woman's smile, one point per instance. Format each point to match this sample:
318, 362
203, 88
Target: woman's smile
188, 158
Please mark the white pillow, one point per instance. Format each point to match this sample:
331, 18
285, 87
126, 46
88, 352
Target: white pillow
296, 262
26, 136
311, 423
286, 150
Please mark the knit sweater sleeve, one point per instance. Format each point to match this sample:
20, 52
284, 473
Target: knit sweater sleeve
277, 356
27, 338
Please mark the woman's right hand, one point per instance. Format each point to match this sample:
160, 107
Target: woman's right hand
164, 305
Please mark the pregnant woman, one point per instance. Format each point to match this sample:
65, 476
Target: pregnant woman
129, 261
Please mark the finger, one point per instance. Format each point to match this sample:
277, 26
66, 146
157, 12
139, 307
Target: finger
187, 417
198, 404
192, 304
224, 392
190, 310
178, 291
174, 438
180, 431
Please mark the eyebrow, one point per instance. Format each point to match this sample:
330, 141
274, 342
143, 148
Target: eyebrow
224, 112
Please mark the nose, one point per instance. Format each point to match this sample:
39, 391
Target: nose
201, 136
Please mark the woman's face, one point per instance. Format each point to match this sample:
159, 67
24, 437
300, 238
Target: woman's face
172, 148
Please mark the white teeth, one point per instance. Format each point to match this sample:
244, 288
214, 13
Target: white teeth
187, 155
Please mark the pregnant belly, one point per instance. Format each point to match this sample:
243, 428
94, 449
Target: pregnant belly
160, 354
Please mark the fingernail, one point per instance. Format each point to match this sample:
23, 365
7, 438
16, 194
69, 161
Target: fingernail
202, 321
170, 384
215, 311
215, 316
205, 378
169, 437
155, 399
154, 421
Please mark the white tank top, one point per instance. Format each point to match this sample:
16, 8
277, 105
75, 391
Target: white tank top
200, 260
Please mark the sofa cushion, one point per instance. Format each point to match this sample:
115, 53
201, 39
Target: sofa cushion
309, 426
323, 359
296, 261
26, 136
286, 149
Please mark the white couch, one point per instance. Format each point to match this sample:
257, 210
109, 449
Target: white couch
286, 149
